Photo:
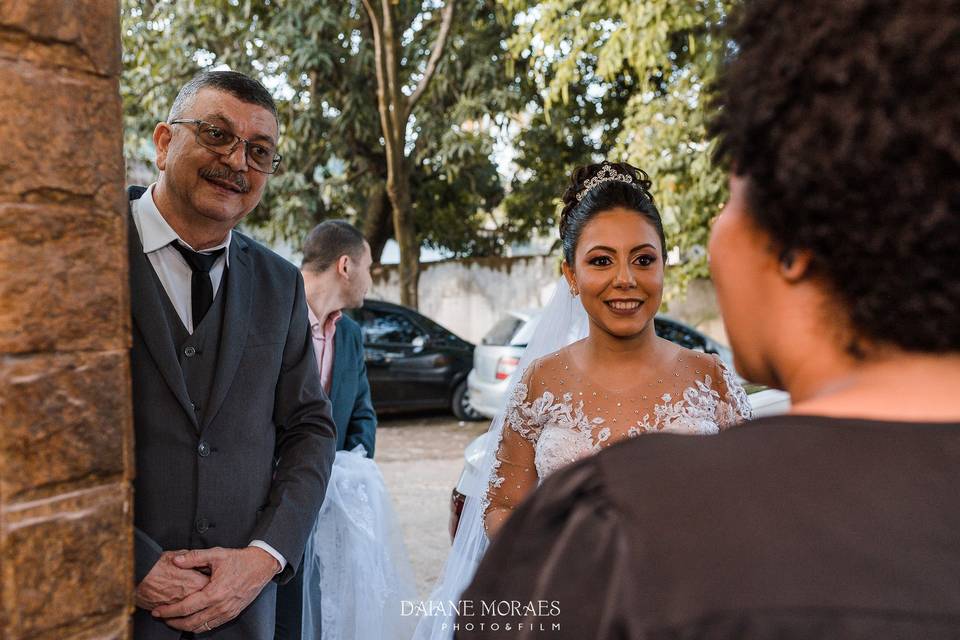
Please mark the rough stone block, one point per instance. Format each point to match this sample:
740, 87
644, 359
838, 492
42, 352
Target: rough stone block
66, 560
80, 35
64, 284
62, 138
112, 626
66, 422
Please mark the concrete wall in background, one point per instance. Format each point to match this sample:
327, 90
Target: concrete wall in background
66, 535
468, 296
698, 308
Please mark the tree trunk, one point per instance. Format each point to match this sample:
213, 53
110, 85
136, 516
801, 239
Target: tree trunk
377, 221
394, 109
398, 188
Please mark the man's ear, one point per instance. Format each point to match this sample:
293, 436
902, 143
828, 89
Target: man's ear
162, 134
344, 266
795, 265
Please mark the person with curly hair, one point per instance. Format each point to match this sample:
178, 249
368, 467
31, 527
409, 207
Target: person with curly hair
837, 268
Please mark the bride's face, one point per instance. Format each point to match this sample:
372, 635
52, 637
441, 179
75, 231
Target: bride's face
618, 270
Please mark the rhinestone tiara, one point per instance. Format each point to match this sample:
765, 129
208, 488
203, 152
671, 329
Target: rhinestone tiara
606, 174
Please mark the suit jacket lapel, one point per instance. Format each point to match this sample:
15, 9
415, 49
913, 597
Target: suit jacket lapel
236, 321
148, 315
339, 353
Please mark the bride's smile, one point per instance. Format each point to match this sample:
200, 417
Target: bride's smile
624, 307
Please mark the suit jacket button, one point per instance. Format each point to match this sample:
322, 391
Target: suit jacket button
190, 352
203, 448
202, 525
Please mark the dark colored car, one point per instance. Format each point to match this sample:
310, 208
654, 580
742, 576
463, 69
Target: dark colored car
413, 363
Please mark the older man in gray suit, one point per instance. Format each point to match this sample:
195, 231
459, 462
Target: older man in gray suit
234, 438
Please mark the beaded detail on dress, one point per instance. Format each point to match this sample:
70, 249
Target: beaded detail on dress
561, 415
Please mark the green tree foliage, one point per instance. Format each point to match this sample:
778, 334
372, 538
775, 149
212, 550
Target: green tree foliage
565, 82
318, 60
655, 60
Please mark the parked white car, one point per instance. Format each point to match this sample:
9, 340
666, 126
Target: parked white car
496, 358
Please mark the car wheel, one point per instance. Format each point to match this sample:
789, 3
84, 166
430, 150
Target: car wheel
461, 404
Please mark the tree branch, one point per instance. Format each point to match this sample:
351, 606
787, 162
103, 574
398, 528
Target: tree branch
391, 49
379, 64
435, 54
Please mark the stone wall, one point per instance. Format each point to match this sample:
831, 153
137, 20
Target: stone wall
66, 544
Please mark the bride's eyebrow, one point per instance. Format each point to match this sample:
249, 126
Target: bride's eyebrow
601, 247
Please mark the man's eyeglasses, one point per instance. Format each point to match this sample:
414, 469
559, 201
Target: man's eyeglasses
223, 142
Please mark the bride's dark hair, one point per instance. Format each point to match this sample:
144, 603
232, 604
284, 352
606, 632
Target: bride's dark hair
633, 195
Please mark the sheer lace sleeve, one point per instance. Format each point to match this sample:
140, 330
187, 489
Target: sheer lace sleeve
734, 405
514, 473
567, 546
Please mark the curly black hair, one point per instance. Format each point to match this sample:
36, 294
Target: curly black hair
844, 117
633, 194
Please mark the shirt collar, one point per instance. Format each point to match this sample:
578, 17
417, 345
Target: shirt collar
156, 233
318, 332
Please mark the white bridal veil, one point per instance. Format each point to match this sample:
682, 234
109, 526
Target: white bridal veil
562, 322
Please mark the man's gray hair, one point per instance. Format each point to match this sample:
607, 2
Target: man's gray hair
237, 84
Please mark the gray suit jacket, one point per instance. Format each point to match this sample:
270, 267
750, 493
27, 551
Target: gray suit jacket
268, 431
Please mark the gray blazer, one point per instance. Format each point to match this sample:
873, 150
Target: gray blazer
269, 436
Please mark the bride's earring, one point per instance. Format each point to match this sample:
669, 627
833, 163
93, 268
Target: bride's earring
574, 291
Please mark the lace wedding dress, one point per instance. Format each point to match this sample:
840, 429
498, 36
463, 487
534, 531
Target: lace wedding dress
558, 413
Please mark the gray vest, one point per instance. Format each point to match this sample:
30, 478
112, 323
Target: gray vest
197, 353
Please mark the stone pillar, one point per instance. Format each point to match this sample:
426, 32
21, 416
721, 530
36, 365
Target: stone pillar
66, 544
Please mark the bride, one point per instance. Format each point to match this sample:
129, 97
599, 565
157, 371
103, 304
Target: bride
595, 372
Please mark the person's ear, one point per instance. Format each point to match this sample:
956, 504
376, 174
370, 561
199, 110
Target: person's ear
344, 266
162, 135
795, 265
571, 278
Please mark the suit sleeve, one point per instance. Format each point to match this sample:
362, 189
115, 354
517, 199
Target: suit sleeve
306, 444
362, 428
146, 553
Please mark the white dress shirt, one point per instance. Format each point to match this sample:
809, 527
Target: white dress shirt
175, 274
171, 267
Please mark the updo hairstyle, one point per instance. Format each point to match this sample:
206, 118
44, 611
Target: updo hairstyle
609, 194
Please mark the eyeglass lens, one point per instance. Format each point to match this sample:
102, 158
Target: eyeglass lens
224, 142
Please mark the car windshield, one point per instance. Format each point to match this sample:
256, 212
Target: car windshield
502, 333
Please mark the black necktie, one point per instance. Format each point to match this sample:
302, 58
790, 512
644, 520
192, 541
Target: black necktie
201, 289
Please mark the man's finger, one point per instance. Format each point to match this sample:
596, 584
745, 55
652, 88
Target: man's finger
186, 607
195, 558
212, 617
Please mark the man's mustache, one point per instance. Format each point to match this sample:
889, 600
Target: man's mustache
227, 175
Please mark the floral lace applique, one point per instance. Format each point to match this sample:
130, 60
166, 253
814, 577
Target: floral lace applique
735, 408
561, 432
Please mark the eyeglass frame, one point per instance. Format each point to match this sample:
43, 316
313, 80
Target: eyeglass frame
275, 162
